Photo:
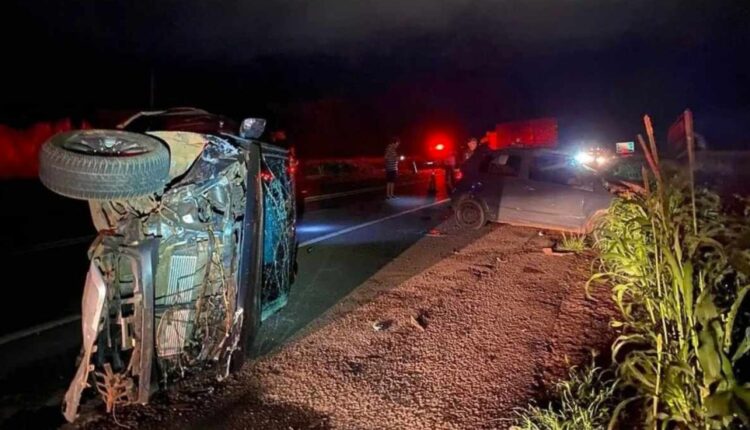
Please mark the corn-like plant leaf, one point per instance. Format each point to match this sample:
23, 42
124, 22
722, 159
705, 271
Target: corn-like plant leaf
705, 309
687, 287
709, 356
743, 347
732, 315
740, 260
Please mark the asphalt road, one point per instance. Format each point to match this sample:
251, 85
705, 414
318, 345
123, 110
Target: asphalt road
344, 241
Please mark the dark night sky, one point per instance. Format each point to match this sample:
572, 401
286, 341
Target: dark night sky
373, 68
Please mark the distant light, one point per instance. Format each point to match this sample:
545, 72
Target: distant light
584, 158
439, 146
625, 147
601, 160
402, 158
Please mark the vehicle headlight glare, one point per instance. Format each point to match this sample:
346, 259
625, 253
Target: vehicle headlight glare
584, 158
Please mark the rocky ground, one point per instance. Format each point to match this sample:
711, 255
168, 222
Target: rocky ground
460, 345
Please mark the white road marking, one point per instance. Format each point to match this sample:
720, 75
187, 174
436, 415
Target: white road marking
8, 338
369, 223
322, 197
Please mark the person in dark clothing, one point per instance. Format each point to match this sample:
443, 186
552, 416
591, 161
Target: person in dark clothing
391, 168
471, 146
478, 162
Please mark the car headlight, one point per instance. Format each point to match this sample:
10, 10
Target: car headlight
584, 158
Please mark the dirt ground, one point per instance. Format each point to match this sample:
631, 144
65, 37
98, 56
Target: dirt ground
457, 346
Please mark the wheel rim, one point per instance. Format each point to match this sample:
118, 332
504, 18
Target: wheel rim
470, 214
105, 145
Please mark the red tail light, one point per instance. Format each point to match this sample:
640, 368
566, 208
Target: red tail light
266, 176
457, 174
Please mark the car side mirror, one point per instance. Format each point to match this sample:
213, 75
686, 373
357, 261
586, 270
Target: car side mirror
252, 128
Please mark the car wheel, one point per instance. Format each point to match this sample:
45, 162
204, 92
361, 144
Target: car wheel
470, 214
104, 164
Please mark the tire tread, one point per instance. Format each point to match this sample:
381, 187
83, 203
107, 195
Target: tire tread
92, 177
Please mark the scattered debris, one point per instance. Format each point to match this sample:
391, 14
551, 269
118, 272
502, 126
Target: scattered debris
382, 325
200, 391
541, 233
354, 367
115, 388
420, 321
416, 323
481, 270
550, 251
531, 269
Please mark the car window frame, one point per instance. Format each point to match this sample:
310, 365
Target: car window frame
532, 163
497, 169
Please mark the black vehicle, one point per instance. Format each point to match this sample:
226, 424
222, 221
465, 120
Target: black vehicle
196, 245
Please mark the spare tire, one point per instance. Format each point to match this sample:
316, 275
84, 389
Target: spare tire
104, 164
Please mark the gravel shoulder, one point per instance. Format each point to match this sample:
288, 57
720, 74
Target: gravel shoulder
458, 345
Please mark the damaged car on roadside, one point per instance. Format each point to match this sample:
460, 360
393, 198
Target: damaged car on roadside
539, 188
196, 246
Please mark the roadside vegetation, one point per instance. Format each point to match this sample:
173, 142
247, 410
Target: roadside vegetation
585, 401
573, 243
677, 260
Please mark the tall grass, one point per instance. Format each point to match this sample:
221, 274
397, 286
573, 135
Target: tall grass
573, 243
583, 402
677, 264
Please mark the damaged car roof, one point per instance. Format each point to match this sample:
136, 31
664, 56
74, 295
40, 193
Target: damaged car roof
180, 119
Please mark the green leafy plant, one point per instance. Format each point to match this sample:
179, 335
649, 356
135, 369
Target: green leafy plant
573, 243
583, 402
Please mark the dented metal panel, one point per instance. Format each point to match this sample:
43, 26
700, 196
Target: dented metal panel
184, 149
94, 293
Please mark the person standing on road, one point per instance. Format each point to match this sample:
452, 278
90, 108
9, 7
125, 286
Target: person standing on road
391, 167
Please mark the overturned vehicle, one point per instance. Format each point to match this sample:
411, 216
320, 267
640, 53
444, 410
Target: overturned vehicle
196, 245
